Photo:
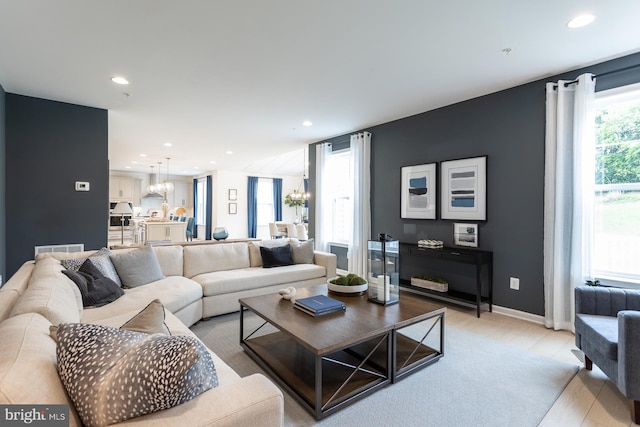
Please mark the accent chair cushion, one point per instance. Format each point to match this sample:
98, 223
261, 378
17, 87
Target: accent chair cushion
602, 331
96, 363
96, 289
302, 252
137, 267
276, 257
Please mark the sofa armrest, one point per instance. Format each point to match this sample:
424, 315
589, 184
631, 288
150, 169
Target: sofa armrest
328, 260
629, 353
605, 301
251, 401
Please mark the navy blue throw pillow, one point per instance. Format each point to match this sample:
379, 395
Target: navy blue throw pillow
96, 289
276, 257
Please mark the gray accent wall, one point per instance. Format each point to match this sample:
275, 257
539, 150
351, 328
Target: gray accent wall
508, 127
49, 146
3, 180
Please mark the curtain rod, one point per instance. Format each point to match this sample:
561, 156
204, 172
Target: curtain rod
619, 70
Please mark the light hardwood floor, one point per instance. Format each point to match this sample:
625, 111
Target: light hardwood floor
589, 400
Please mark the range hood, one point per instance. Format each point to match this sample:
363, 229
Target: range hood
152, 194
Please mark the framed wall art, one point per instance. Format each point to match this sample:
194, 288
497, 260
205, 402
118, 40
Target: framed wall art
418, 192
233, 194
464, 189
233, 208
465, 234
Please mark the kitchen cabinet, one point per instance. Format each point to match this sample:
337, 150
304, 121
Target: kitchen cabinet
165, 231
125, 189
121, 188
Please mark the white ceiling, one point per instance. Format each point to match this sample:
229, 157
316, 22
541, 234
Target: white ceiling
242, 75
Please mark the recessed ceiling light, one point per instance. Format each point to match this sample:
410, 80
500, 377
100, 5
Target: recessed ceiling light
168, 144
127, 167
196, 167
143, 155
212, 162
307, 123
228, 152
134, 162
120, 80
581, 21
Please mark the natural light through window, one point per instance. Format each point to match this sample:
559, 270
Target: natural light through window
338, 182
265, 207
617, 185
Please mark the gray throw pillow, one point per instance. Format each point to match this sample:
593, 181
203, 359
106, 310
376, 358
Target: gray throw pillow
302, 252
96, 363
100, 260
138, 267
150, 320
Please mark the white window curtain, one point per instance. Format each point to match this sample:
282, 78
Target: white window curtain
568, 195
361, 211
323, 206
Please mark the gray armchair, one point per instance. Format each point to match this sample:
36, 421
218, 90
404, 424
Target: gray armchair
608, 332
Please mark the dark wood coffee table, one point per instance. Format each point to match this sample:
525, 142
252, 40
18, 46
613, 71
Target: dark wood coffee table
331, 361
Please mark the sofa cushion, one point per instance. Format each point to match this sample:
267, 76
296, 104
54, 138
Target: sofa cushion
170, 258
96, 289
254, 249
174, 292
302, 252
97, 362
150, 320
51, 294
8, 299
137, 267
223, 282
100, 259
602, 331
276, 257
28, 365
200, 259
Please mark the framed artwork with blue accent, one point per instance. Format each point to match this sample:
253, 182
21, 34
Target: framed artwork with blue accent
418, 192
463, 189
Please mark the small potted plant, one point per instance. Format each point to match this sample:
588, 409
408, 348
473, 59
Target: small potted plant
432, 283
351, 284
594, 282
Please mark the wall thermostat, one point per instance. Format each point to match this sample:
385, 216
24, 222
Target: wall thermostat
82, 186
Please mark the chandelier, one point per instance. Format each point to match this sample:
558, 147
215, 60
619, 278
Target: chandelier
298, 196
161, 187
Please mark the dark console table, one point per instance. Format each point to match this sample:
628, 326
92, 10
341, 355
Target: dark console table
482, 260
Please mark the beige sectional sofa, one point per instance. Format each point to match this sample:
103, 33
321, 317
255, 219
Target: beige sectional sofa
200, 281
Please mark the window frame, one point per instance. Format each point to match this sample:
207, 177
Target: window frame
602, 100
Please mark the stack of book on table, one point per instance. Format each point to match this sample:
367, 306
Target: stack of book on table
319, 305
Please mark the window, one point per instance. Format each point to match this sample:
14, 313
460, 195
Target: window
265, 207
617, 186
201, 203
338, 181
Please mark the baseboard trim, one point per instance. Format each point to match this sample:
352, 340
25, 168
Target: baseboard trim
523, 315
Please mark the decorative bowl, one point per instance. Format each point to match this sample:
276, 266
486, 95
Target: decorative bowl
347, 290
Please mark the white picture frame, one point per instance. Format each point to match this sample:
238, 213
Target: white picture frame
233, 194
463, 190
465, 234
418, 188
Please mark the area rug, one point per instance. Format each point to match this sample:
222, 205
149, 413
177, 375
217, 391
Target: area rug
478, 382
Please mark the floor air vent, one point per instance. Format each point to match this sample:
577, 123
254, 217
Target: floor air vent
73, 247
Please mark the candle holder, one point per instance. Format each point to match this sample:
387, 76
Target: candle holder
383, 270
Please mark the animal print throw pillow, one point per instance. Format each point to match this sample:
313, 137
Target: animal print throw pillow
96, 363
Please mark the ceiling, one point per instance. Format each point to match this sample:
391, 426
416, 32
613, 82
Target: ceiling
242, 75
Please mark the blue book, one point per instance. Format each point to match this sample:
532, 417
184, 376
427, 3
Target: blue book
320, 304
